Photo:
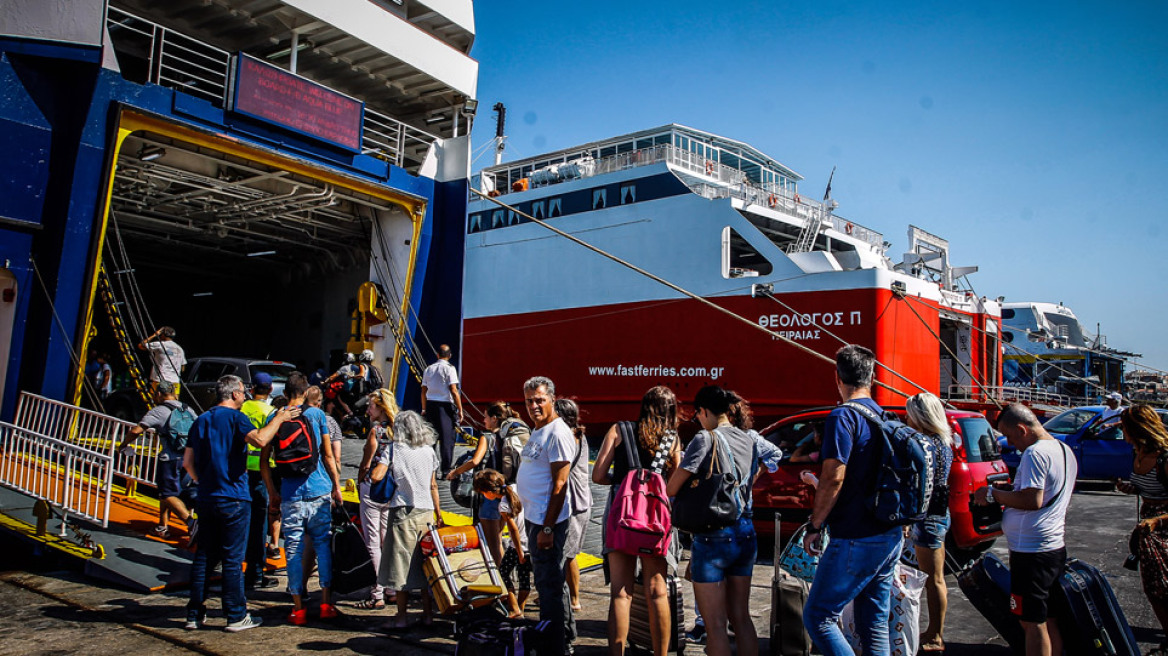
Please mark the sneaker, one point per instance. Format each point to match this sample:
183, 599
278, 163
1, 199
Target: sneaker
328, 612
298, 617
162, 532
192, 529
197, 623
696, 635
248, 622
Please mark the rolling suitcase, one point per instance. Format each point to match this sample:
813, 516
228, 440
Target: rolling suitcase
1090, 618
986, 583
788, 596
640, 639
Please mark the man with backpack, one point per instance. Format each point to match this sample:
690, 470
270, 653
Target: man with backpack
860, 559
172, 421
1033, 521
216, 458
310, 484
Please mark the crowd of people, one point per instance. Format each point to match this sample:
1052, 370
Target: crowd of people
533, 501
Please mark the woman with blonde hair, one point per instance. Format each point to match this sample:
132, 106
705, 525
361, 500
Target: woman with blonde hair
1143, 428
382, 410
413, 463
926, 415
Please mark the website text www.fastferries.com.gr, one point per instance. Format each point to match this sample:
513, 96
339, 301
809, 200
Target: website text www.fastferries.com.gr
640, 370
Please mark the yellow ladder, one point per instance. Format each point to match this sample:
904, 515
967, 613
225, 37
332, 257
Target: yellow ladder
123, 339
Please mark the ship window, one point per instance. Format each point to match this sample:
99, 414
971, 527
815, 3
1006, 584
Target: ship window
660, 139
476, 222
644, 143
1007, 336
537, 209
554, 208
740, 259
608, 151
496, 219
599, 199
1008, 313
624, 147
628, 194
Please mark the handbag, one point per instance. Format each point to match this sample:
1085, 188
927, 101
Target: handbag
382, 491
797, 561
711, 501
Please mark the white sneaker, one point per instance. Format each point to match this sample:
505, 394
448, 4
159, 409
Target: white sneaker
248, 622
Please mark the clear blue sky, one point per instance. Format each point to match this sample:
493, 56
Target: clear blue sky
1034, 138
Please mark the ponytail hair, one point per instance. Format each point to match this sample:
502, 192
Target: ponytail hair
501, 410
489, 480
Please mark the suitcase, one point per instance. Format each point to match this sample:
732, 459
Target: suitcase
788, 596
986, 583
1090, 618
352, 567
640, 639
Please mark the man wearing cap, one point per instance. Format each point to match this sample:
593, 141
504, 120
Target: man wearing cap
257, 409
1115, 406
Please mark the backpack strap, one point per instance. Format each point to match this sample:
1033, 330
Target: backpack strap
865, 411
1058, 494
628, 434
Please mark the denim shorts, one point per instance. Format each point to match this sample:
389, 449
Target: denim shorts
489, 508
930, 531
726, 552
168, 477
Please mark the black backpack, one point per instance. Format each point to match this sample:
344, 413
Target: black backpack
296, 452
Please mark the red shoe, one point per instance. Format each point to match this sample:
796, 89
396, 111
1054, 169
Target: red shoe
328, 612
298, 617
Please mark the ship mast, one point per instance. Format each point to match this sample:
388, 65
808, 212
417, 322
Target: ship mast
500, 140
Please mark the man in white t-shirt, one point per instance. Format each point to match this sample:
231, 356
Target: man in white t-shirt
168, 357
1114, 402
542, 484
1033, 522
442, 403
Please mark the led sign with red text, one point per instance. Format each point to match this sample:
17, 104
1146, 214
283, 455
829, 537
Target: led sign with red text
274, 95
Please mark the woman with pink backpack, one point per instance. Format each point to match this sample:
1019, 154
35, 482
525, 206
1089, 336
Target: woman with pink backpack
637, 520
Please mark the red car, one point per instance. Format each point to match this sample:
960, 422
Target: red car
976, 462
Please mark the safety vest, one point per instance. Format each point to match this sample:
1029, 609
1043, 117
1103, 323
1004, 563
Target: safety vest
257, 412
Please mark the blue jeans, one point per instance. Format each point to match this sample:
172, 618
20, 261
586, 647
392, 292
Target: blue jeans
726, 552
860, 570
222, 538
314, 517
257, 531
548, 567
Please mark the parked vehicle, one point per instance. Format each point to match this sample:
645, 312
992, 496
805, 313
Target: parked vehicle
976, 462
202, 374
1097, 442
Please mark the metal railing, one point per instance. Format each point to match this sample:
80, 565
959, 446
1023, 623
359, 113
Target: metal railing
76, 479
721, 181
177, 61
1008, 394
90, 430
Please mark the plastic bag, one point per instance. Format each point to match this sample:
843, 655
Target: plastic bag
904, 629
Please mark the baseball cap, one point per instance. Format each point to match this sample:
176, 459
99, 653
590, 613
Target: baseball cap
261, 378
1115, 396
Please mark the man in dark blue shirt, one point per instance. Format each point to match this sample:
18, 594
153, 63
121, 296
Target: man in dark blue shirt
861, 555
216, 458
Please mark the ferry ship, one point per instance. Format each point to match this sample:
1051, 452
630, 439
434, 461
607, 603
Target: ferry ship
727, 222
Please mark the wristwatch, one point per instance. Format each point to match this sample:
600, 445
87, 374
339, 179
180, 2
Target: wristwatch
547, 530
990, 494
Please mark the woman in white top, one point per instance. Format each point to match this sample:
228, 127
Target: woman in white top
382, 409
412, 462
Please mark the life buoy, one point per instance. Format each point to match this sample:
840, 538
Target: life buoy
772, 201
848, 228
709, 167
797, 199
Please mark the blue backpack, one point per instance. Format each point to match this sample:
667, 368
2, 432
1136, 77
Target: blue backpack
178, 426
904, 475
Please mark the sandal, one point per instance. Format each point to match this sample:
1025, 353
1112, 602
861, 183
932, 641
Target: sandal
370, 604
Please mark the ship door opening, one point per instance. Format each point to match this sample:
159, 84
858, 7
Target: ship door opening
246, 257
956, 339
